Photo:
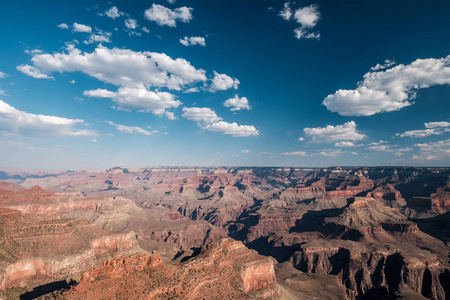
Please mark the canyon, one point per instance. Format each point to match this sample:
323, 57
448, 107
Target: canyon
228, 233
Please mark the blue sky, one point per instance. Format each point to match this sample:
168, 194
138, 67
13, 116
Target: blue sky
255, 83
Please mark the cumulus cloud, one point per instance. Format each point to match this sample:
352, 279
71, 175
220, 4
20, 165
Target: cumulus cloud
295, 153
237, 103
169, 115
193, 40
344, 144
113, 13
390, 89
129, 130
420, 133
433, 128
201, 115
387, 63
33, 72
300, 139
3, 75
81, 28
99, 93
233, 129
99, 37
131, 26
286, 13
138, 98
301, 33
207, 119
19, 122
437, 124
63, 26
222, 82
307, 17
331, 153
131, 23
434, 151
345, 132
123, 67
383, 148
164, 16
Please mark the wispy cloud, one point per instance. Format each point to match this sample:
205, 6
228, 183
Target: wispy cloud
129, 129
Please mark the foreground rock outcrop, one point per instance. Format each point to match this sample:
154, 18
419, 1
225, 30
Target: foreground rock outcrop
35, 252
225, 269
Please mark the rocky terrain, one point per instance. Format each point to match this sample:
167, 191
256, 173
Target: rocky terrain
335, 233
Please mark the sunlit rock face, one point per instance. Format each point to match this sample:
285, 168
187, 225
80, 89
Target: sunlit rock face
366, 232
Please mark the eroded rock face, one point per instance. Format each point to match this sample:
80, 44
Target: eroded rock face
224, 269
378, 231
374, 270
38, 251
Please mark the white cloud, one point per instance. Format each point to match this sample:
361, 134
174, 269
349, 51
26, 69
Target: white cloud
301, 33
164, 16
94, 140
207, 119
193, 40
434, 151
245, 151
295, 153
233, 129
191, 90
433, 128
139, 98
201, 115
383, 148
99, 93
130, 130
300, 139
237, 103
3, 75
19, 122
131, 23
391, 89
169, 115
377, 143
307, 17
34, 51
2, 92
171, 1
420, 133
123, 67
387, 63
222, 82
145, 29
113, 13
286, 13
81, 28
437, 124
33, 72
331, 153
344, 144
72, 81
99, 37
63, 26
345, 132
